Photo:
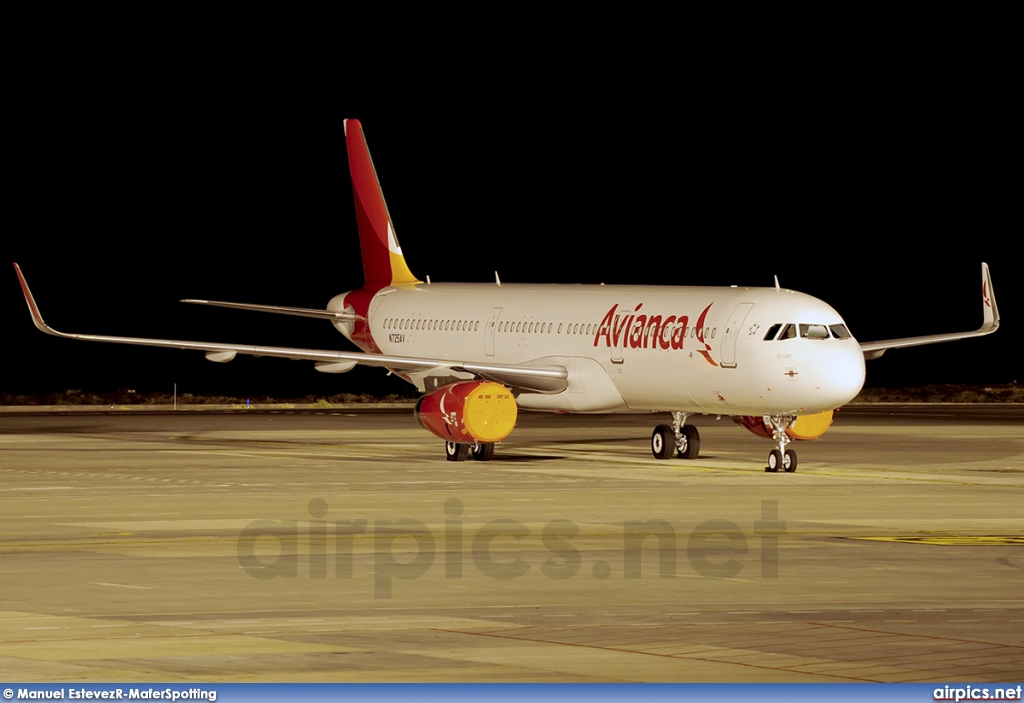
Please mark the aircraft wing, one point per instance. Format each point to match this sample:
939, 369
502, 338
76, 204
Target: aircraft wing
873, 350
544, 379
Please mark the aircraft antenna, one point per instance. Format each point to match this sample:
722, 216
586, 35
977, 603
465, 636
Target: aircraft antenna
776, 283
496, 279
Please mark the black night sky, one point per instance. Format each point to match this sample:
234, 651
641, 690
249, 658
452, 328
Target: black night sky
879, 194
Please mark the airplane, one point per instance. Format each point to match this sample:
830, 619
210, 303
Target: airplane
777, 361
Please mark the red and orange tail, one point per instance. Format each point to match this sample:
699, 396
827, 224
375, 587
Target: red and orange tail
383, 262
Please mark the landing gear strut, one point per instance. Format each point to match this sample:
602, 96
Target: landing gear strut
781, 458
678, 439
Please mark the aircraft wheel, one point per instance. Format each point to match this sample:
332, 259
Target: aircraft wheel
483, 452
774, 461
663, 442
691, 443
789, 461
455, 451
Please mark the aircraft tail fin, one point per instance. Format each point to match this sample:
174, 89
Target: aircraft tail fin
383, 262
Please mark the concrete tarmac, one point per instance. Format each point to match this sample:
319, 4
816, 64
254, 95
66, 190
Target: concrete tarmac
341, 546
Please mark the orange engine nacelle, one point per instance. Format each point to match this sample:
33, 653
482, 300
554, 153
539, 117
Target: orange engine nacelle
805, 427
468, 412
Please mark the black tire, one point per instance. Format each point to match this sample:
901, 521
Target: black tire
691, 443
774, 461
483, 452
789, 461
455, 451
663, 442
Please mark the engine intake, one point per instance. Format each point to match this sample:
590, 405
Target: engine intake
469, 412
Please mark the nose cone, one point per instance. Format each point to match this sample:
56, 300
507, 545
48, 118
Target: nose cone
841, 373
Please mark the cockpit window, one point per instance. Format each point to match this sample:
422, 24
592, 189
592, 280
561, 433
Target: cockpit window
806, 331
840, 331
814, 331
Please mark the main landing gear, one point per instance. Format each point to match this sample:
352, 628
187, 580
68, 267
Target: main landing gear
682, 440
460, 452
676, 439
781, 458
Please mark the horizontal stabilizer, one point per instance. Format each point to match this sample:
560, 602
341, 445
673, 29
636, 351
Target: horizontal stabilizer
280, 310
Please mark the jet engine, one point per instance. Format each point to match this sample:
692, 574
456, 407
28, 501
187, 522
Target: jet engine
469, 412
804, 427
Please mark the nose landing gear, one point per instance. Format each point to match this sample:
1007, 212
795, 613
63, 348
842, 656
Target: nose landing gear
781, 458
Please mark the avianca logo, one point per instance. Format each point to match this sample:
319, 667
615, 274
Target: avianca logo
638, 331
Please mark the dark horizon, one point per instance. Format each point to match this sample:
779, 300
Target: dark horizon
129, 213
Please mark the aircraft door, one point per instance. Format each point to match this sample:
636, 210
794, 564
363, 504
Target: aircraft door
732, 333
618, 334
489, 330
616, 350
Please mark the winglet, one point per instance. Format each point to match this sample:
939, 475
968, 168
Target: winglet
873, 350
988, 301
37, 317
383, 261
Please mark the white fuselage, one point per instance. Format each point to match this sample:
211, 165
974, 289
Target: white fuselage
690, 349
